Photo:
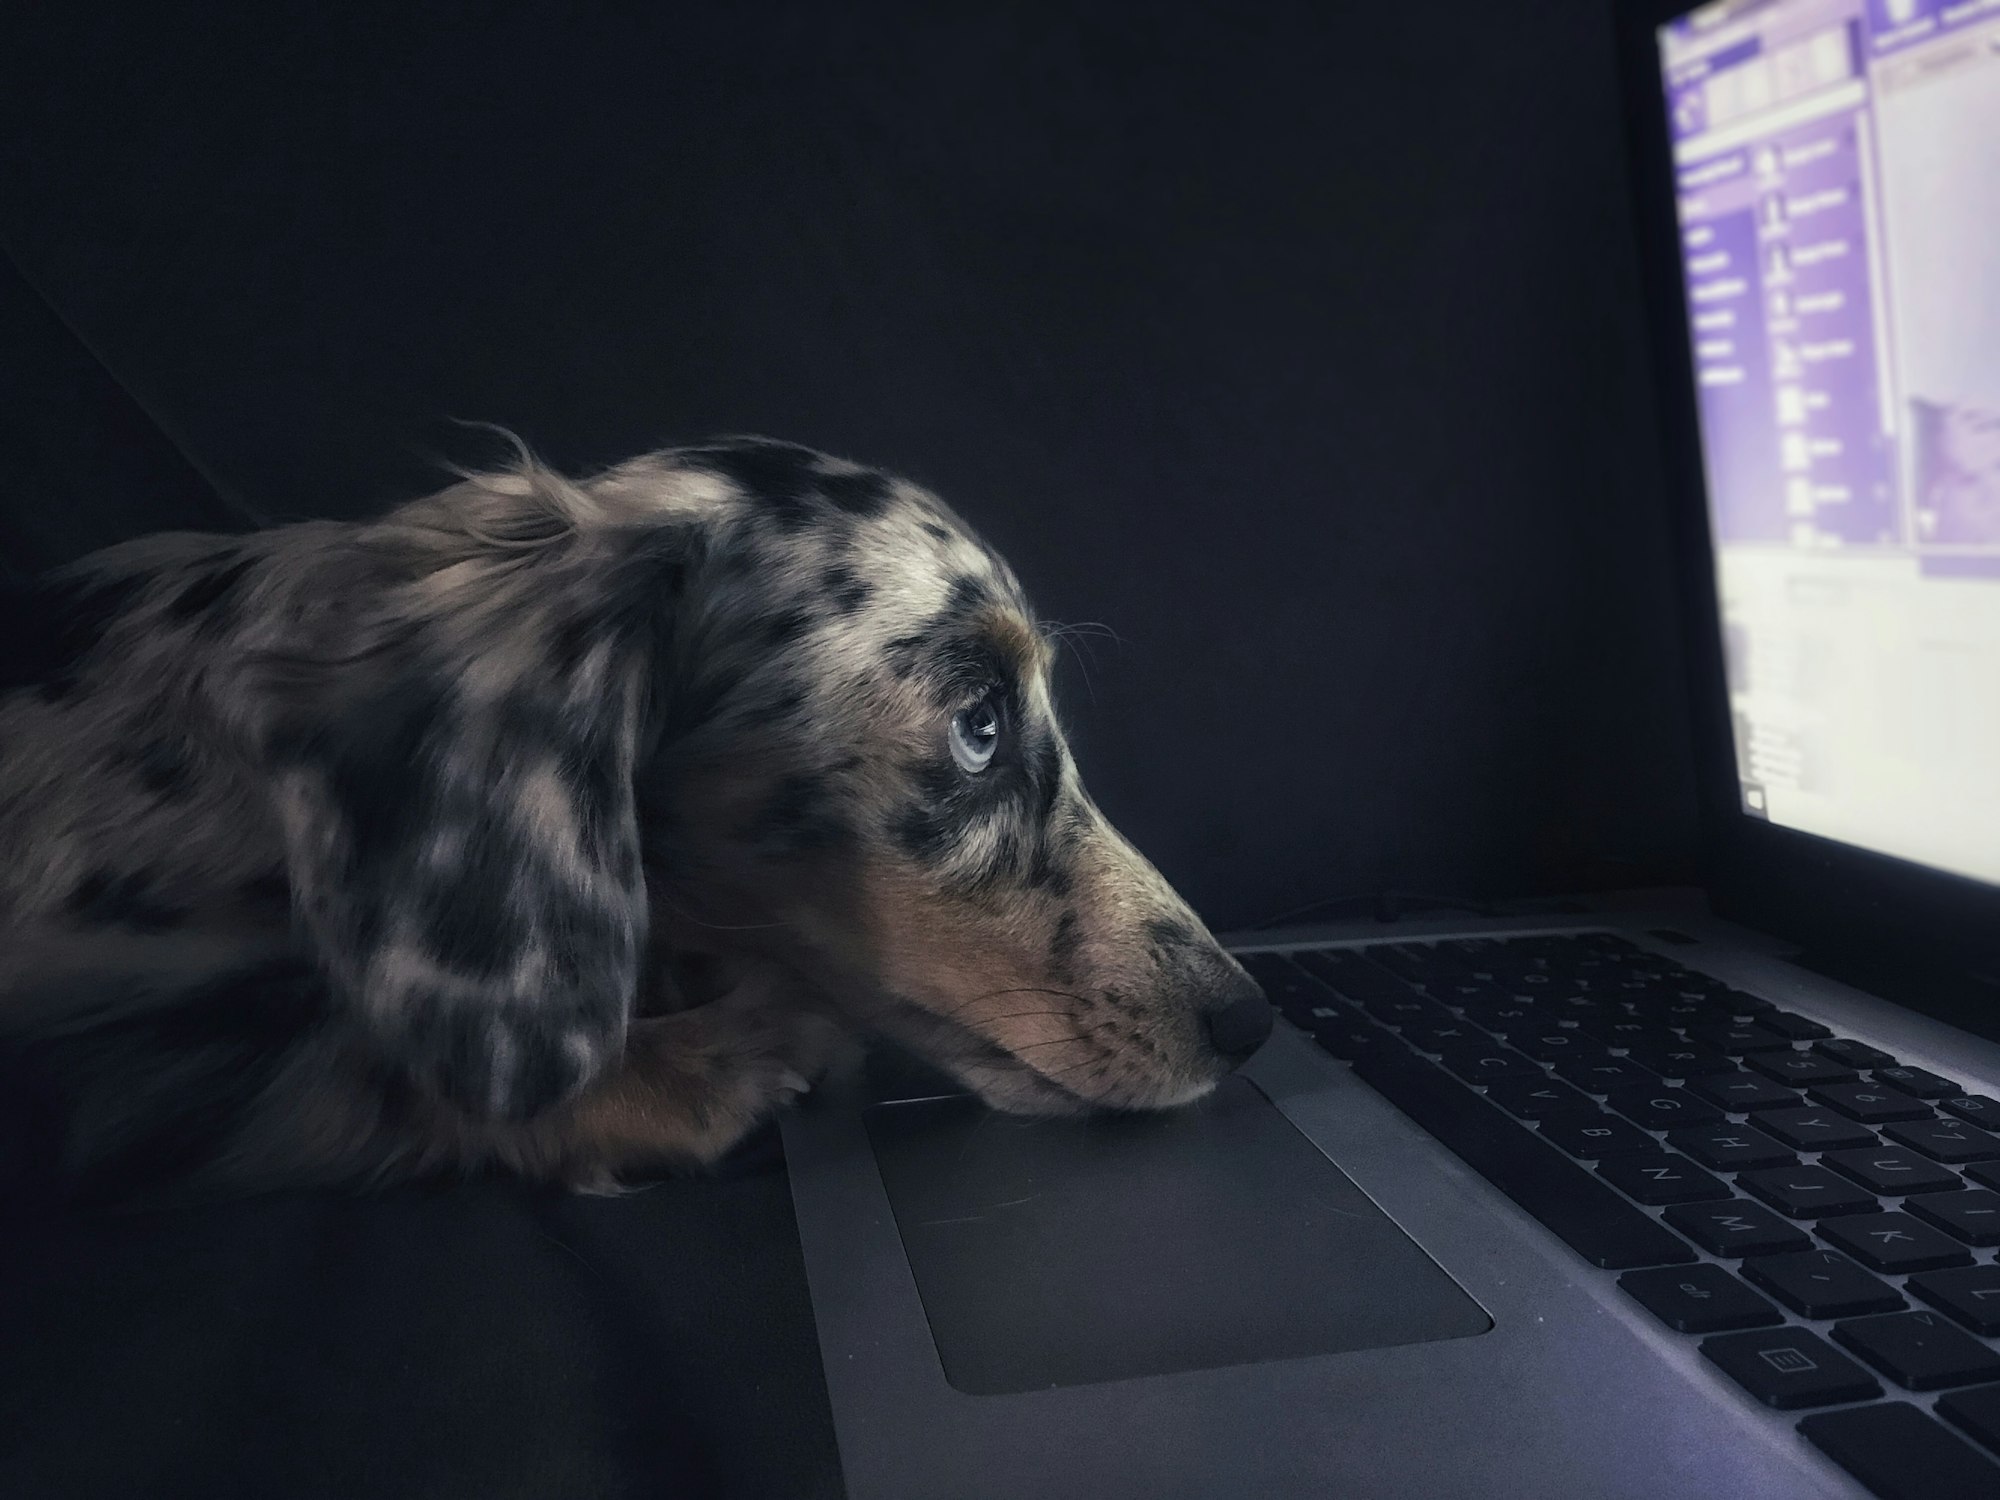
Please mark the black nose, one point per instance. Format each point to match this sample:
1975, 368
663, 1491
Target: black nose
1238, 1026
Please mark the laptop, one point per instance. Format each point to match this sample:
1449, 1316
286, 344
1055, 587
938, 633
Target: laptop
1686, 1195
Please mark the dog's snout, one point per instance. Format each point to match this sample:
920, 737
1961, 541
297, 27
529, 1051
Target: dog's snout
1238, 1022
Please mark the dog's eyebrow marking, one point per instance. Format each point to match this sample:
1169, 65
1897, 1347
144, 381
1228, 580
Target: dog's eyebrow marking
1012, 634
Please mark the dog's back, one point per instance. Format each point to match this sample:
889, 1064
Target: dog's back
148, 983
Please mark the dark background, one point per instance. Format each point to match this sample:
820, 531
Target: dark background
1299, 344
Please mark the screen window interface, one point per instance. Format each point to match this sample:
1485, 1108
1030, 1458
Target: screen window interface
1838, 170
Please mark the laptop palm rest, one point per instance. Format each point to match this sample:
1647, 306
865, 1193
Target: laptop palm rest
1068, 1252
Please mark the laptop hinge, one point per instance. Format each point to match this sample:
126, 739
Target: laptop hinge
1957, 997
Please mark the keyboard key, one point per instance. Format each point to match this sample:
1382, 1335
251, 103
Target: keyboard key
1598, 1136
1738, 1041
1586, 1214
1459, 1036
1701, 1298
1351, 974
1894, 1243
1814, 1129
1465, 990
1743, 1003
1868, 1103
1789, 1368
1798, 1028
1687, 1013
1821, 1284
1891, 1170
1947, 1140
1344, 1031
1538, 1099
1731, 1148
1740, 1092
1985, 1173
1659, 1180
1974, 1109
1901, 1454
1595, 1075
1977, 1411
1575, 1006
1681, 1059
1735, 1228
1798, 1067
1619, 1029
1855, 1054
1920, 1351
1807, 1192
1919, 1082
1284, 983
1661, 1107
1970, 1294
1554, 1044
1508, 1017
1407, 1009
1972, 1216
1486, 1064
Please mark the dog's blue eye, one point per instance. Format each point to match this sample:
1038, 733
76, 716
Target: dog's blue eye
975, 735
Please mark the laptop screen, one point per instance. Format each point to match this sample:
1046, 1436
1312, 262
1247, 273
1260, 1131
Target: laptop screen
1838, 180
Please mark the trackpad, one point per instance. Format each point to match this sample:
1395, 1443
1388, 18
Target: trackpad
1066, 1252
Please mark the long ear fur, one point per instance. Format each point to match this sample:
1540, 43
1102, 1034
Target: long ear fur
453, 763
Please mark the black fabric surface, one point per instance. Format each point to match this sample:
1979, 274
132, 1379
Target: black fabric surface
480, 1341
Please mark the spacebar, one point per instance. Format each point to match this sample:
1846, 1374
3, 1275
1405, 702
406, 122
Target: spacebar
1583, 1212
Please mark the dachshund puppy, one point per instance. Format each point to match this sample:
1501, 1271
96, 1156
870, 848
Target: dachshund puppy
566, 828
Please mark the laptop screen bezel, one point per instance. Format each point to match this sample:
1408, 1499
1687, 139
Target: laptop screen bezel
1834, 898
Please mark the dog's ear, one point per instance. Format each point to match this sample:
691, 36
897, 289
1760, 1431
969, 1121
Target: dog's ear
458, 807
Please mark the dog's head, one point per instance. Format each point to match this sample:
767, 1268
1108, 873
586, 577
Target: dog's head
778, 708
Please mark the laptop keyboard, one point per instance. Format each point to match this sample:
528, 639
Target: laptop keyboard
1820, 1216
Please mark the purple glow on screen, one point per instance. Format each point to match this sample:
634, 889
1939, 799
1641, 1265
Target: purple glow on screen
1838, 173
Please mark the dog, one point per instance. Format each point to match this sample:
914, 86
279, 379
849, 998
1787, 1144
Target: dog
565, 828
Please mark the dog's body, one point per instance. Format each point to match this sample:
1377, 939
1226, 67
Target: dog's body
566, 827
